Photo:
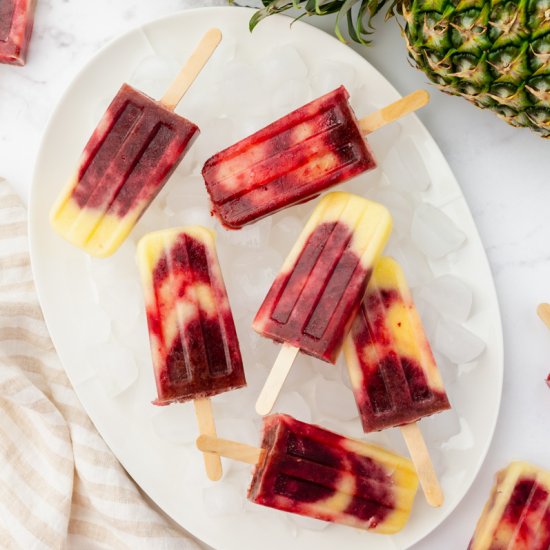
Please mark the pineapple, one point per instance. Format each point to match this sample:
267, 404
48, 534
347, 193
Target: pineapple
495, 54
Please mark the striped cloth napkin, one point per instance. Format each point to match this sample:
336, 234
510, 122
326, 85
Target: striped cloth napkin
60, 485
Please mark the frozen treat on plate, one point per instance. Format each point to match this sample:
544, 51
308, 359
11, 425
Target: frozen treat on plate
296, 158
136, 146
314, 298
305, 469
393, 373
194, 344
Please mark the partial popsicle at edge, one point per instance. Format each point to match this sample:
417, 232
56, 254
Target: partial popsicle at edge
307, 470
135, 148
297, 157
517, 514
194, 342
313, 300
393, 373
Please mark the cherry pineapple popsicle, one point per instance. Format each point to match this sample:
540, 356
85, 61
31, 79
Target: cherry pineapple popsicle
307, 470
296, 158
133, 151
193, 339
517, 515
392, 370
313, 300
16, 23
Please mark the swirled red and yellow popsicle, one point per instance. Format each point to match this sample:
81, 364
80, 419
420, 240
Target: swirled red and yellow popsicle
313, 300
194, 343
393, 373
296, 158
305, 469
133, 151
392, 369
517, 514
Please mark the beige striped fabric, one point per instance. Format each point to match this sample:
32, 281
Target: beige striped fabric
60, 486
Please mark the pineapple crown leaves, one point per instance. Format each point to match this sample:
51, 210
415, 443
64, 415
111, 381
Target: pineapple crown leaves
359, 25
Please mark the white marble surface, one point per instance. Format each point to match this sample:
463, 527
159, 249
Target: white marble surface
504, 173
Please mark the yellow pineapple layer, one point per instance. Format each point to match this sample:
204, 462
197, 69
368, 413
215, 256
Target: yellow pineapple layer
369, 222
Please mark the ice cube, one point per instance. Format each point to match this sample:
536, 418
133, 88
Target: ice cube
361, 101
435, 234
410, 158
94, 329
440, 427
154, 74
300, 373
282, 64
286, 229
222, 499
448, 370
288, 96
450, 296
294, 404
253, 274
311, 524
428, 315
176, 423
250, 236
249, 124
116, 368
216, 135
122, 301
399, 205
195, 215
414, 264
457, 343
334, 399
462, 441
383, 141
184, 193
242, 89
329, 74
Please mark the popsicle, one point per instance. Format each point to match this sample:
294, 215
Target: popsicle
133, 151
296, 158
392, 369
517, 515
16, 23
313, 300
194, 343
307, 470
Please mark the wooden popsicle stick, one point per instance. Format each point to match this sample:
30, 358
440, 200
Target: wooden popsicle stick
230, 449
205, 418
543, 311
276, 379
423, 464
394, 111
192, 68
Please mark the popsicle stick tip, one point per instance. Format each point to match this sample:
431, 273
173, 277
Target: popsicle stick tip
423, 464
214, 34
543, 311
194, 65
396, 110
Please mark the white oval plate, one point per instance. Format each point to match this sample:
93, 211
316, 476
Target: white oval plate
155, 445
